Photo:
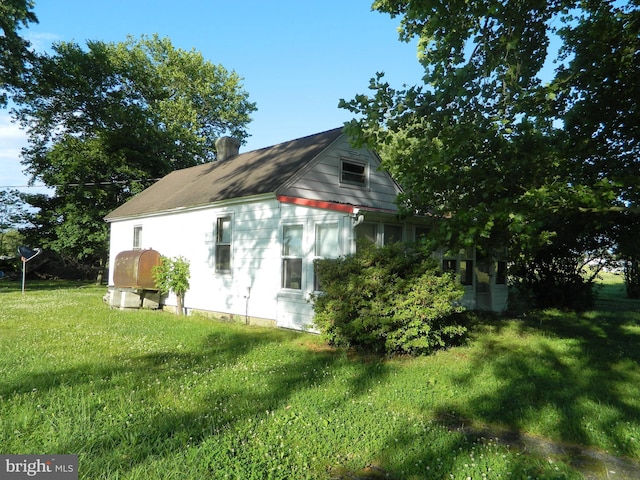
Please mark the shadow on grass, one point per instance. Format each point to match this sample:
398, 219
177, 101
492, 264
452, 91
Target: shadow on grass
152, 433
612, 297
565, 383
568, 377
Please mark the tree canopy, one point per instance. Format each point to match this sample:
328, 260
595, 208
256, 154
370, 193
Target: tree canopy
105, 121
498, 151
487, 144
13, 215
14, 50
597, 97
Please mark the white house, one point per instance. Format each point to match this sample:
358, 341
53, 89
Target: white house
251, 225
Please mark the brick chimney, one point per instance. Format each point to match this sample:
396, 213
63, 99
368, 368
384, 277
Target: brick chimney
227, 147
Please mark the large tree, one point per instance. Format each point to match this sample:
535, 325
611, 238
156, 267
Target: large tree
13, 215
598, 90
597, 96
486, 144
105, 121
475, 141
14, 49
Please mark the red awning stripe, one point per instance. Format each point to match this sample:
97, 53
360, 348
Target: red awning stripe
306, 202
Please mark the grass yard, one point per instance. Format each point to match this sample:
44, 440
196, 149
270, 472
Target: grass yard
146, 395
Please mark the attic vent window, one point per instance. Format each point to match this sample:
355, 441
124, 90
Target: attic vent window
353, 173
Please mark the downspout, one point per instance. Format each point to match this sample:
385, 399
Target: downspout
356, 219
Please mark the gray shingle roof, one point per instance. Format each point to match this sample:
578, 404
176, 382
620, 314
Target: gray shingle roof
251, 173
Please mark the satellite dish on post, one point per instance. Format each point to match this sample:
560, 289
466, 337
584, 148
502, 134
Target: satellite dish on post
26, 254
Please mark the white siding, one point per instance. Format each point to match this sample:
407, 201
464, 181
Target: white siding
253, 286
294, 308
321, 180
500, 298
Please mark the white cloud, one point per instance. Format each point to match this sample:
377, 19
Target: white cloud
12, 140
12, 137
41, 41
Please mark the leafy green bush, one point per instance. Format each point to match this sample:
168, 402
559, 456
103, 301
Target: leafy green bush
173, 275
392, 299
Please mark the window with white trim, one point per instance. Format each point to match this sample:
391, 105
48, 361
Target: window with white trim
223, 244
462, 264
292, 256
326, 246
501, 272
421, 233
392, 233
367, 232
137, 237
354, 173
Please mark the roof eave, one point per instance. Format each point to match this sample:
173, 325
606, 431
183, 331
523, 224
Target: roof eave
192, 208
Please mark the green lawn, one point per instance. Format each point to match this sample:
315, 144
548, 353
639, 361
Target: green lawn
140, 394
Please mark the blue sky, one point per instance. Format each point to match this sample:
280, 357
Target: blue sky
297, 58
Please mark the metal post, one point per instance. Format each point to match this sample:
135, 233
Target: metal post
24, 272
26, 254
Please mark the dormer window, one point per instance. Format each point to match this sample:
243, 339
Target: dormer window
354, 173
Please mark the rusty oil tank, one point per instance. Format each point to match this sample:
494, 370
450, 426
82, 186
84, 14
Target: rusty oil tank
134, 269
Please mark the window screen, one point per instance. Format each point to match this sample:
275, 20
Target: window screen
466, 272
392, 234
292, 257
326, 246
501, 273
223, 244
354, 173
137, 237
367, 232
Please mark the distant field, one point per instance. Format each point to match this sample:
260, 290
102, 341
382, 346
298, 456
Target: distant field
611, 293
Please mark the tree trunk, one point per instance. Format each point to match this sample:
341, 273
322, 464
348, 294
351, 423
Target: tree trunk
101, 268
180, 307
632, 277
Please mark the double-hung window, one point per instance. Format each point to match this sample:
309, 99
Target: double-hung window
137, 237
462, 265
392, 233
353, 172
223, 244
326, 246
292, 257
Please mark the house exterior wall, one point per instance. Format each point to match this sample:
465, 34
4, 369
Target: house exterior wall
500, 298
252, 288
